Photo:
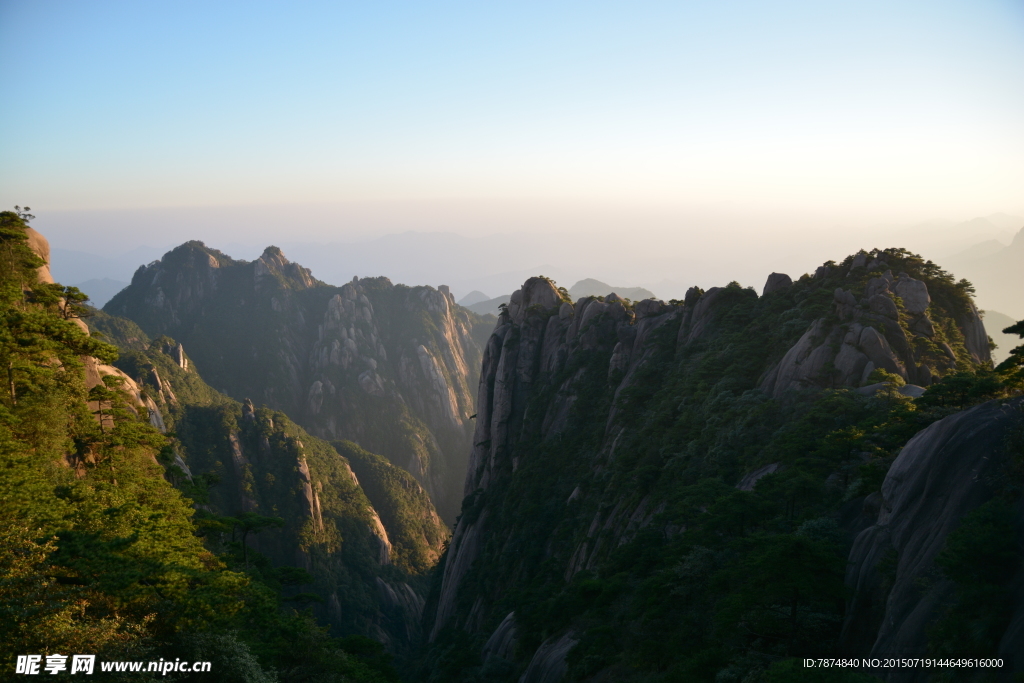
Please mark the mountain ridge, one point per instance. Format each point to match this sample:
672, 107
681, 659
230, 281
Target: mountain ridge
387, 366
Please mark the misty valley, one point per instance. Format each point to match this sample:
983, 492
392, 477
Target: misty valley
237, 463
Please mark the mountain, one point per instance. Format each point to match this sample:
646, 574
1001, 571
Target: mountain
388, 367
995, 323
102, 290
583, 288
945, 239
490, 306
591, 287
474, 297
362, 528
662, 492
102, 553
998, 275
78, 266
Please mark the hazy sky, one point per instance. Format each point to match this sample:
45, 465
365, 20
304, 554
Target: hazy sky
891, 110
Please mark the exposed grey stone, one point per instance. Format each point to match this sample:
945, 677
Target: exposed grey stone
878, 351
371, 383
775, 282
802, 364
923, 325
912, 390
942, 473
502, 643
845, 297
914, 294
883, 305
975, 337
748, 482
821, 271
648, 308
620, 359
859, 261
876, 286
548, 663
849, 364
868, 369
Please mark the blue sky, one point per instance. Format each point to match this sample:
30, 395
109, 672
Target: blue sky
900, 110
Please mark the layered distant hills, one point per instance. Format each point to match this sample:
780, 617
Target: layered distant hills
997, 271
478, 302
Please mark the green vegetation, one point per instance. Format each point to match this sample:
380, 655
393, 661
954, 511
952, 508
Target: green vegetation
99, 553
268, 331
403, 505
663, 567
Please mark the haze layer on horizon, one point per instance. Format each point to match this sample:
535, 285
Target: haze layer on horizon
856, 112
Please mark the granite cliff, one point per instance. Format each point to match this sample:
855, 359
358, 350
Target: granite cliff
386, 366
668, 491
101, 552
365, 539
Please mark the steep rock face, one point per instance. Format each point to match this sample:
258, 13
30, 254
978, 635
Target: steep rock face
889, 326
593, 418
943, 473
536, 338
388, 367
95, 370
360, 538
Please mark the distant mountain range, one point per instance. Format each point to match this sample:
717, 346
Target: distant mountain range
101, 290
478, 302
997, 273
693, 254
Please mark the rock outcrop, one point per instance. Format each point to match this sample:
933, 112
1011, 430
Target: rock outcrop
358, 537
887, 327
775, 282
942, 474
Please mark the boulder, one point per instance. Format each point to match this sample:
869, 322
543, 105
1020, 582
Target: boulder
537, 291
775, 282
914, 294
876, 286
944, 472
849, 364
883, 305
648, 308
845, 297
923, 326
878, 351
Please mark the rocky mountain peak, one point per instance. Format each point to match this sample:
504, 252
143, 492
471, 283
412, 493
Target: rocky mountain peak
536, 291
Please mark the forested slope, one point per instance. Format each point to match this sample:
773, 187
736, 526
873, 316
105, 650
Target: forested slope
101, 553
664, 492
